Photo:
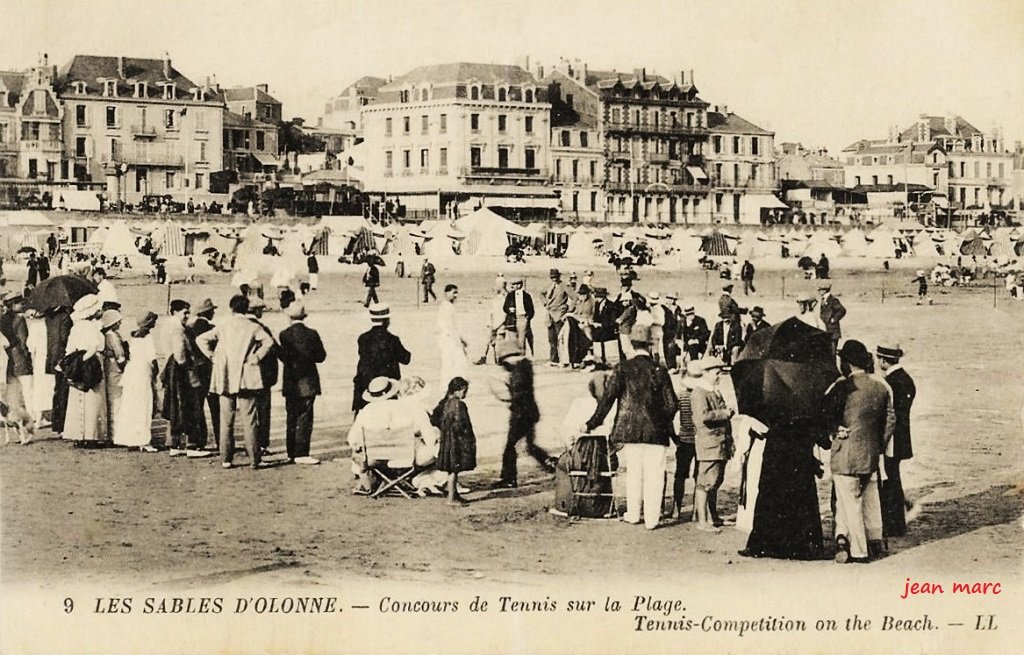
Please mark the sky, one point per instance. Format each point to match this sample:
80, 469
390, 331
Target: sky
819, 72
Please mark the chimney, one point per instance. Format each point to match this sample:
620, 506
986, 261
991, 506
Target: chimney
583, 77
540, 71
265, 88
682, 78
167, 65
120, 67
725, 110
691, 76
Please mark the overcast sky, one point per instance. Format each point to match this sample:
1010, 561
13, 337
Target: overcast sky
820, 72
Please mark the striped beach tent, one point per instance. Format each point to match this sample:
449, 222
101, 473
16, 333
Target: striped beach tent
716, 245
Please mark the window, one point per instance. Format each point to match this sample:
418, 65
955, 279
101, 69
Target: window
502, 122
443, 157
80, 116
977, 169
636, 117
405, 124
423, 95
387, 126
474, 122
737, 146
528, 124
502, 157
615, 115
80, 147
387, 160
169, 119
575, 169
736, 173
424, 158
199, 180
474, 93
424, 123
856, 180
170, 92
593, 170
558, 168
406, 158
753, 172
474, 157
755, 146
529, 95
890, 180
593, 201
530, 157
564, 138
261, 140
976, 195
33, 168
170, 180
575, 201
202, 151
502, 96
583, 139
200, 117
110, 88
874, 180
963, 169
444, 123
111, 116
717, 144
988, 169
141, 90
1001, 169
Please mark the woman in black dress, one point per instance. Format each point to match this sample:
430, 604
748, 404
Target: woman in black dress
457, 449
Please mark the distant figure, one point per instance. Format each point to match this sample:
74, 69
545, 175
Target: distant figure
371, 280
757, 323
313, 268
831, 312
51, 241
822, 268
427, 274
921, 280
747, 276
33, 271
44, 267
301, 350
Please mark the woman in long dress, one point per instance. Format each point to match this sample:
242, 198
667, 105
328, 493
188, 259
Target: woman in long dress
451, 344
86, 419
114, 360
132, 425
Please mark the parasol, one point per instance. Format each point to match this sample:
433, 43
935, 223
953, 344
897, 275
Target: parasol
783, 372
210, 251
60, 291
26, 249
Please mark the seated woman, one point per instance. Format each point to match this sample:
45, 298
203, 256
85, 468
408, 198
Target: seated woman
575, 497
393, 429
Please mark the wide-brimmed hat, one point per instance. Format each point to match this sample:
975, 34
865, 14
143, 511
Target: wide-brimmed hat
889, 350
296, 310
825, 286
654, 295
689, 311
206, 306
147, 321
86, 307
672, 295
506, 348
583, 290
379, 312
601, 292
515, 279
757, 311
712, 363
554, 273
380, 388
856, 354
727, 286
110, 318
694, 370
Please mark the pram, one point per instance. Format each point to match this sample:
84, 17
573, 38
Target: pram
583, 479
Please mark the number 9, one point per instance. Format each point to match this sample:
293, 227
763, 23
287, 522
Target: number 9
69, 606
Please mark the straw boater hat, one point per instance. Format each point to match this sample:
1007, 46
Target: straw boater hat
672, 295
86, 307
110, 318
296, 311
206, 306
379, 312
654, 296
694, 370
889, 350
505, 349
711, 363
380, 388
689, 311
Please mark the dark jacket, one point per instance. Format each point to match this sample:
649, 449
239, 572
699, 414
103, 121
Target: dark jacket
268, 365
747, 271
866, 412
605, 313
58, 327
695, 329
204, 367
522, 402
380, 354
428, 272
646, 403
723, 343
903, 392
371, 278
727, 304
312, 265
831, 312
15, 330
510, 304
755, 326
301, 350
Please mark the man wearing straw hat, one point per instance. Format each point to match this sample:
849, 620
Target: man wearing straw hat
301, 350
556, 303
381, 354
894, 502
831, 312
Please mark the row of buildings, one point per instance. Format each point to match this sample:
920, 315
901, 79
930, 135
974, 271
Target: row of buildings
571, 143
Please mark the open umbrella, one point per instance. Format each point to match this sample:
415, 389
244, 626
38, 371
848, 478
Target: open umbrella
26, 249
783, 373
60, 291
210, 251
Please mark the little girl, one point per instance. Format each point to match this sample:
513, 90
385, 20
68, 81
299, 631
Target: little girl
457, 450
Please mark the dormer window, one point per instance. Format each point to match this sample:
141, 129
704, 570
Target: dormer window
474, 92
170, 92
197, 94
110, 88
78, 88
141, 90
424, 94
529, 95
502, 94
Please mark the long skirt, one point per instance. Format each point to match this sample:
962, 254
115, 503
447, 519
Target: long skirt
86, 418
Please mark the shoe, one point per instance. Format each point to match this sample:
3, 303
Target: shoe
307, 460
177, 452
550, 463
625, 520
504, 484
265, 452
462, 490
226, 465
843, 549
197, 454
704, 527
149, 449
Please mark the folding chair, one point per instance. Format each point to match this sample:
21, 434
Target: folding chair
393, 473
583, 485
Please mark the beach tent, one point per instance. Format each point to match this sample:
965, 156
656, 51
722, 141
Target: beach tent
488, 233
821, 243
854, 243
924, 246
445, 241
119, 242
585, 242
973, 244
882, 244
716, 245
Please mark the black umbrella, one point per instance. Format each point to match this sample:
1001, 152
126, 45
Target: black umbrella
783, 373
210, 251
25, 249
60, 291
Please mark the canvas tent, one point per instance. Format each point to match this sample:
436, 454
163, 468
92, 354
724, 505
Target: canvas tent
487, 233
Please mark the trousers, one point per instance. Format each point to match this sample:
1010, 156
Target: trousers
298, 429
553, 329
243, 403
686, 453
263, 418
60, 402
517, 431
645, 482
858, 511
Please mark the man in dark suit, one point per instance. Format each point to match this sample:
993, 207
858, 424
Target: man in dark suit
268, 376
516, 390
865, 417
831, 312
204, 367
371, 280
301, 350
519, 313
695, 334
381, 354
727, 305
747, 276
58, 327
726, 338
894, 503
757, 323
603, 323
646, 404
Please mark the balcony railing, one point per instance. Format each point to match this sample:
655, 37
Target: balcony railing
728, 183
44, 145
657, 157
647, 128
144, 131
146, 154
491, 172
655, 187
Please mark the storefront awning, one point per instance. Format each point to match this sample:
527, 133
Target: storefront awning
266, 160
940, 201
697, 172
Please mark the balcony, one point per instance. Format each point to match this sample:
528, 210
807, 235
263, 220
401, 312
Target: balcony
144, 131
670, 130
492, 175
657, 157
42, 145
656, 187
146, 154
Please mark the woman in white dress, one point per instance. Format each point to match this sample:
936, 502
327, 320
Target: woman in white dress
132, 425
86, 420
451, 344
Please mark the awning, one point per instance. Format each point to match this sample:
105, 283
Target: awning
266, 160
519, 201
940, 201
697, 172
771, 202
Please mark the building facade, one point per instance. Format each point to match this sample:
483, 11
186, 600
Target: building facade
31, 147
797, 163
141, 126
254, 103
250, 146
344, 111
740, 161
459, 136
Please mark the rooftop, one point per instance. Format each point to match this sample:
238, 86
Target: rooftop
240, 93
733, 124
231, 119
463, 72
92, 68
12, 81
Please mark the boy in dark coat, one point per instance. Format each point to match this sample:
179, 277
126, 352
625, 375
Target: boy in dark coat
517, 391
